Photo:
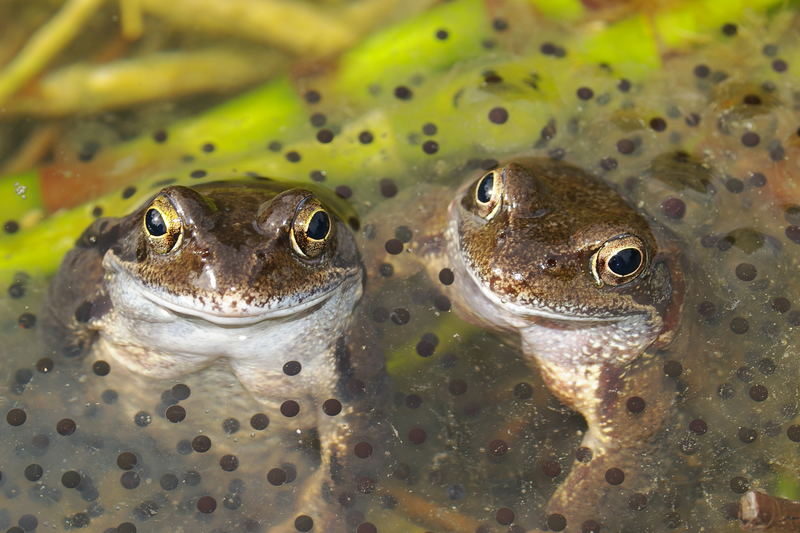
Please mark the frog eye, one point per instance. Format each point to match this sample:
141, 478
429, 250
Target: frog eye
311, 228
162, 225
619, 260
488, 194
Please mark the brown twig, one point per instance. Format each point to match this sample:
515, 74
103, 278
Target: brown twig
34, 149
88, 87
131, 19
759, 510
427, 512
297, 27
48, 41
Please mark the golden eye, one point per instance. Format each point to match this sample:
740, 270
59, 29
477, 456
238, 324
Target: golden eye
619, 260
311, 228
162, 225
488, 194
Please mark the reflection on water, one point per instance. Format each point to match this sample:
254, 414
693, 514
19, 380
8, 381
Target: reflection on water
464, 435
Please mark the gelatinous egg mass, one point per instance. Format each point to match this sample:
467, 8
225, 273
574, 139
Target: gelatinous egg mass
697, 128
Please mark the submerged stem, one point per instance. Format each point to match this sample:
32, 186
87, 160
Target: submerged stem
87, 87
427, 512
297, 27
48, 41
759, 510
131, 19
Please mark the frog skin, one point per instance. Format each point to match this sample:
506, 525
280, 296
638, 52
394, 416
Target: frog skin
236, 277
533, 246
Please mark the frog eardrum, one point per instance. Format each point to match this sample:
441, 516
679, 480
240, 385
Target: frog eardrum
619, 260
163, 225
311, 228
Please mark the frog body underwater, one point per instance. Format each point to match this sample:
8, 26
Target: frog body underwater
541, 249
239, 292
545, 249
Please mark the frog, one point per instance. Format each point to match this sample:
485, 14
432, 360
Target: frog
544, 251
237, 292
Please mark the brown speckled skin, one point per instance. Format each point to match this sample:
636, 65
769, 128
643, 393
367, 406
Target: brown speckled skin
527, 271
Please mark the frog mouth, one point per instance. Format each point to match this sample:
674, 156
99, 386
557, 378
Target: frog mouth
532, 310
552, 317
229, 310
242, 317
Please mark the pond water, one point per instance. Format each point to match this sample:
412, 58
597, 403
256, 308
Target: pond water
690, 115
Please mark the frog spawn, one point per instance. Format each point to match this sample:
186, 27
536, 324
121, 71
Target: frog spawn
99, 448
741, 332
497, 455
691, 450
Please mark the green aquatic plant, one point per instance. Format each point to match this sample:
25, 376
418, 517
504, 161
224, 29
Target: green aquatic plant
361, 95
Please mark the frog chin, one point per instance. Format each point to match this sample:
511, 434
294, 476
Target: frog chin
579, 344
159, 338
571, 340
578, 340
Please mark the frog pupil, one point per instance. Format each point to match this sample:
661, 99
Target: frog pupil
625, 262
485, 188
154, 223
318, 226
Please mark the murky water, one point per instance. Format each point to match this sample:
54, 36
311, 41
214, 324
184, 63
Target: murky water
462, 434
